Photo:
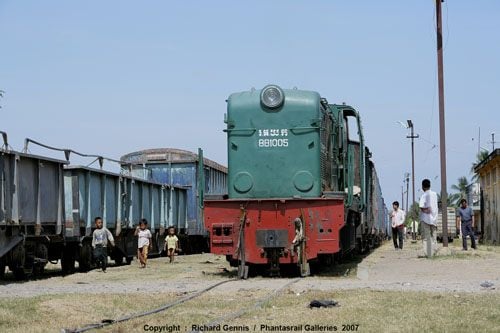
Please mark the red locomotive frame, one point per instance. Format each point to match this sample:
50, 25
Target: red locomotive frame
274, 232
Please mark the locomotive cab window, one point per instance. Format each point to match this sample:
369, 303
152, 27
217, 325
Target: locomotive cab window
352, 128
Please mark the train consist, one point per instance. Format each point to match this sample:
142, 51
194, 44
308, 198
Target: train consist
183, 168
300, 189
301, 186
47, 211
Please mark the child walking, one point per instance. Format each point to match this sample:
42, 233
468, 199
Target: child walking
100, 238
144, 242
171, 243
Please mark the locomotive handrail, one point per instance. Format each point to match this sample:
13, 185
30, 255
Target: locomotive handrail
252, 130
305, 128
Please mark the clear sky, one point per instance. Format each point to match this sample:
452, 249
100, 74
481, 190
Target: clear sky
111, 77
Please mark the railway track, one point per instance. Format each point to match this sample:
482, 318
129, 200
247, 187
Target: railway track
260, 302
233, 315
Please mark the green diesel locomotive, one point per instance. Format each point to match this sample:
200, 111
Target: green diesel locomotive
301, 185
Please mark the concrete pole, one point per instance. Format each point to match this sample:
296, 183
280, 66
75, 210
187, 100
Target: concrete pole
442, 127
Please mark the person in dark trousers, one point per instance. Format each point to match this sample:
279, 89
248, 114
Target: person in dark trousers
397, 223
465, 218
100, 239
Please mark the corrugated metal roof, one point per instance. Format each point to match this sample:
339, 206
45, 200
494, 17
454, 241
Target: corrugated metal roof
168, 155
488, 159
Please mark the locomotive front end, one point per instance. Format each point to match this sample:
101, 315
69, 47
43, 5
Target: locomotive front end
276, 213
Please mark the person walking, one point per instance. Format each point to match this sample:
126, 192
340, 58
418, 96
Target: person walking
100, 238
428, 218
397, 224
144, 242
171, 243
465, 218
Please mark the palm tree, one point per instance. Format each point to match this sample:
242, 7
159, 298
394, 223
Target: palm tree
453, 199
481, 156
461, 187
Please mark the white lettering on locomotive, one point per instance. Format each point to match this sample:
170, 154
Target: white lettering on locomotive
278, 138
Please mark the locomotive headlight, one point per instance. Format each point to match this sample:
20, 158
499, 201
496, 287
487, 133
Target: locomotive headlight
272, 96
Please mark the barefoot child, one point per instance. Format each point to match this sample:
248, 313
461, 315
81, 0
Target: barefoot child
100, 238
143, 242
171, 243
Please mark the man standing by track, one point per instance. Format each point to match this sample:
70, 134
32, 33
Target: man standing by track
465, 215
428, 218
397, 223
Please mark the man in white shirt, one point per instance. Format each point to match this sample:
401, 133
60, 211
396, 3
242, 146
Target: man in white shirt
397, 224
428, 218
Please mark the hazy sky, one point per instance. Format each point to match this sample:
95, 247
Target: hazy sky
111, 77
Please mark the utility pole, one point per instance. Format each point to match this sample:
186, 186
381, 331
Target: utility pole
412, 136
407, 179
442, 127
479, 142
402, 196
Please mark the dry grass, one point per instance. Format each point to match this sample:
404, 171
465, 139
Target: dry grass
372, 311
384, 311
203, 310
455, 251
54, 312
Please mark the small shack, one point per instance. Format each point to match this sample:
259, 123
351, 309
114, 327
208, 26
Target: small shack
489, 178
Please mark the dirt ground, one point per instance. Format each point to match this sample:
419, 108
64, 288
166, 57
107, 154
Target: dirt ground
384, 269
371, 285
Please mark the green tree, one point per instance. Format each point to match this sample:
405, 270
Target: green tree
412, 214
461, 187
481, 156
452, 201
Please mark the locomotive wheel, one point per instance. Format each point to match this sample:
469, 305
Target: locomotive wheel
2, 268
18, 272
85, 262
68, 261
41, 252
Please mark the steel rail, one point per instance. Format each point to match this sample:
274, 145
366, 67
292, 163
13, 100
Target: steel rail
107, 322
256, 305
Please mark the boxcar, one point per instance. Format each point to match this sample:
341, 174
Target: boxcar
31, 212
182, 168
121, 201
47, 211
